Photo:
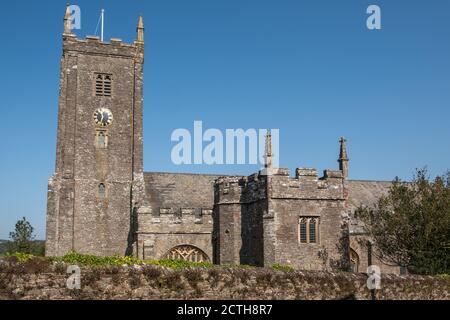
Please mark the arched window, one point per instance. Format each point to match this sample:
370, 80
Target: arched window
354, 260
308, 230
101, 190
303, 230
312, 231
187, 253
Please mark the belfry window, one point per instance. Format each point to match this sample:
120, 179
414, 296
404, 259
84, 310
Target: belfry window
103, 85
308, 230
101, 190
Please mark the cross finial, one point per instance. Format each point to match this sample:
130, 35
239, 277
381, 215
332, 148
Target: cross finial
343, 149
343, 158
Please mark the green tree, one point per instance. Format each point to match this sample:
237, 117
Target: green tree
411, 224
22, 238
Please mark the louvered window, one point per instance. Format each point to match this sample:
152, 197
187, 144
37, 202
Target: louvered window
103, 85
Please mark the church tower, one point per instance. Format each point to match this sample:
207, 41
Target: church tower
98, 179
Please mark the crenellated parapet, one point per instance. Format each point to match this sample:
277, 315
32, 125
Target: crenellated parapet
277, 183
93, 45
308, 185
240, 190
149, 218
228, 190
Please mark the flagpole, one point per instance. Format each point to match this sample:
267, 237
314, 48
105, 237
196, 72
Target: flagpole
103, 18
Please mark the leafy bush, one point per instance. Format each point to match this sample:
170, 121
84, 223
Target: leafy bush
90, 260
178, 264
281, 267
443, 276
411, 224
117, 260
21, 257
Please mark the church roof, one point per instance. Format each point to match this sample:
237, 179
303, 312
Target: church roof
189, 190
364, 193
179, 190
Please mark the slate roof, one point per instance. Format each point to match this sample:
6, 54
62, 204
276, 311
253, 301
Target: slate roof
366, 192
363, 193
187, 190
179, 190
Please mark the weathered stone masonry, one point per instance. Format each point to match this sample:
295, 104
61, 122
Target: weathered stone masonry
148, 282
78, 218
101, 202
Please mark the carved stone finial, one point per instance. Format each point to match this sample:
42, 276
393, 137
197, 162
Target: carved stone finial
140, 31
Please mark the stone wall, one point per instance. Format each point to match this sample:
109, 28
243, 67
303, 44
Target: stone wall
240, 204
31, 282
162, 229
257, 219
177, 210
307, 195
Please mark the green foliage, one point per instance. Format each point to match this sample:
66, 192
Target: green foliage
178, 264
281, 267
38, 248
411, 224
444, 276
4, 247
90, 260
20, 256
22, 237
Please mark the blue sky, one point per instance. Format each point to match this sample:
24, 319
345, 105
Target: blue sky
309, 68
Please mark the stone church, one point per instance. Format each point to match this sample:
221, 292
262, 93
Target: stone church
101, 202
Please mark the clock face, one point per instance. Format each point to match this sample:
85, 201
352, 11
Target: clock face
103, 117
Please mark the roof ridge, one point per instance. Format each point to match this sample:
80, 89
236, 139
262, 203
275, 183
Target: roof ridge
188, 173
362, 180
